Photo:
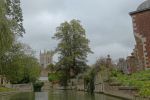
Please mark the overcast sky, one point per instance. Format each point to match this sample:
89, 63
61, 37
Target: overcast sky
107, 23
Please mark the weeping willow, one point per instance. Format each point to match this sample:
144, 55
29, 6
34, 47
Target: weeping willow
6, 35
11, 26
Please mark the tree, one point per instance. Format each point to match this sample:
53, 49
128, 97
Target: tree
17, 62
51, 67
89, 79
73, 48
104, 66
6, 36
14, 12
19, 67
10, 26
10, 23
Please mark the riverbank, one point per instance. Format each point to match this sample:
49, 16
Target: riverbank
7, 91
114, 94
126, 93
106, 89
117, 94
4, 89
14, 89
57, 95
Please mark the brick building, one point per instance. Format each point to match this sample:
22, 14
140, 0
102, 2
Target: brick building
141, 27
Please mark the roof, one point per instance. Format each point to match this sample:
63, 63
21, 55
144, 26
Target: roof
145, 5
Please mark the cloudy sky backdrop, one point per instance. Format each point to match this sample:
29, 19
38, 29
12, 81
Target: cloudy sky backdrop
107, 24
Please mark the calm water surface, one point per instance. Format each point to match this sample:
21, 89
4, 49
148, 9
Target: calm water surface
57, 95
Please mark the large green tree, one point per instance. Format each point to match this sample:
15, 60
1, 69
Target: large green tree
6, 35
10, 26
73, 48
14, 13
17, 61
10, 23
19, 66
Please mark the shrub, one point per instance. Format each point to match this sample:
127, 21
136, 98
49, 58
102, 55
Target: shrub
37, 86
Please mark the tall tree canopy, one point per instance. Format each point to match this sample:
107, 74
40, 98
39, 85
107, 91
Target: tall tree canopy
14, 55
10, 23
14, 13
19, 64
6, 36
73, 47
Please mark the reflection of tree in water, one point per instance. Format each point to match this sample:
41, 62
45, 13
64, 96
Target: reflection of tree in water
22, 96
58, 95
92, 97
65, 96
73, 96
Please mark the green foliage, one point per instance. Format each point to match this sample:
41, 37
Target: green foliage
4, 89
10, 23
146, 90
19, 67
31, 70
114, 73
58, 77
73, 47
51, 67
16, 20
15, 63
63, 78
37, 86
10, 26
104, 68
6, 35
140, 80
89, 79
54, 77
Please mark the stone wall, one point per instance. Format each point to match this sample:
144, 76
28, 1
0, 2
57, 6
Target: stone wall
80, 85
22, 87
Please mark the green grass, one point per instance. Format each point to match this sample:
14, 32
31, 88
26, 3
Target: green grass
141, 80
4, 89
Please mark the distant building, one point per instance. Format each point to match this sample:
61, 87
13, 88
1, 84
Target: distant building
141, 27
122, 65
108, 62
46, 58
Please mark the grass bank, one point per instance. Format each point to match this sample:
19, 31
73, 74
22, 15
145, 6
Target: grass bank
140, 80
4, 89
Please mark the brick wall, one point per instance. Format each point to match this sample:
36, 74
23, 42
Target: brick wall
141, 27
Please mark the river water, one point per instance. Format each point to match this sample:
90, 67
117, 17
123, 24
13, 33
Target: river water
57, 95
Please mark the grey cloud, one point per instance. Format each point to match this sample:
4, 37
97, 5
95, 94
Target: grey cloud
107, 23
35, 7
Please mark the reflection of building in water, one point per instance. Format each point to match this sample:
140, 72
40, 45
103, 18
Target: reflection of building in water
141, 27
41, 96
46, 58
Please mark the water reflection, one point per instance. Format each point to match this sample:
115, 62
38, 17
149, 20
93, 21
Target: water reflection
57, 95
41, 96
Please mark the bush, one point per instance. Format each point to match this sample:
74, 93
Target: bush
37, 86
54, 77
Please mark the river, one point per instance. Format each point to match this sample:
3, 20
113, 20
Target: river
57, 95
